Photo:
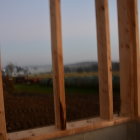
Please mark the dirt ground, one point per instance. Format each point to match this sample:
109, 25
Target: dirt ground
26, 112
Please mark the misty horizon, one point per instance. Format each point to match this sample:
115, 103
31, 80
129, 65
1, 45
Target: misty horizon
66, 64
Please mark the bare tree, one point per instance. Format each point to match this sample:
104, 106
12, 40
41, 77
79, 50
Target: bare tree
9, 69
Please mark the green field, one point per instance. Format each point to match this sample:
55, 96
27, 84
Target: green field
37, 89
75, 85
33, 88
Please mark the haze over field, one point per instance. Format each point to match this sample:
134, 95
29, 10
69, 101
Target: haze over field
25, 31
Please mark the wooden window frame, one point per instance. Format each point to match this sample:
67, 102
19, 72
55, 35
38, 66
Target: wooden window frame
129, 75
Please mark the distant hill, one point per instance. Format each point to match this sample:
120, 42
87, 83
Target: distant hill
75, 67
87, 67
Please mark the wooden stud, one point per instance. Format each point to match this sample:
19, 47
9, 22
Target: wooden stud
129, 72
104, 60
129, 57
58, 68
3, 132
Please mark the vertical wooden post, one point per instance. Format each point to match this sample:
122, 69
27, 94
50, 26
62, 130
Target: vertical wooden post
129, 57
104, 60
3, 131
58, 68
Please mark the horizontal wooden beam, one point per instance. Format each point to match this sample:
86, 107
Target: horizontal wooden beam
72, 129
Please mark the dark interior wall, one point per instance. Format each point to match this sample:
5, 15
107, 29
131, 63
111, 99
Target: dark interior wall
138, 131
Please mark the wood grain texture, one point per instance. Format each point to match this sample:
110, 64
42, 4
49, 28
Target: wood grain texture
129, 74
58, 68
129, 57
73, 128
104, 60
3, 132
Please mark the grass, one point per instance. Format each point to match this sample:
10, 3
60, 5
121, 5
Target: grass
33, 88
81, 90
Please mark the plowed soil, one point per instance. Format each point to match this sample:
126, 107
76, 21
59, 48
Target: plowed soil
25, 111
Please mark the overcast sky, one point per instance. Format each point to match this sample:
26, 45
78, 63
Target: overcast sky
25, 31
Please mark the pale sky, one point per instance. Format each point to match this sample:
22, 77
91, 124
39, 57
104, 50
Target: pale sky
25, 31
